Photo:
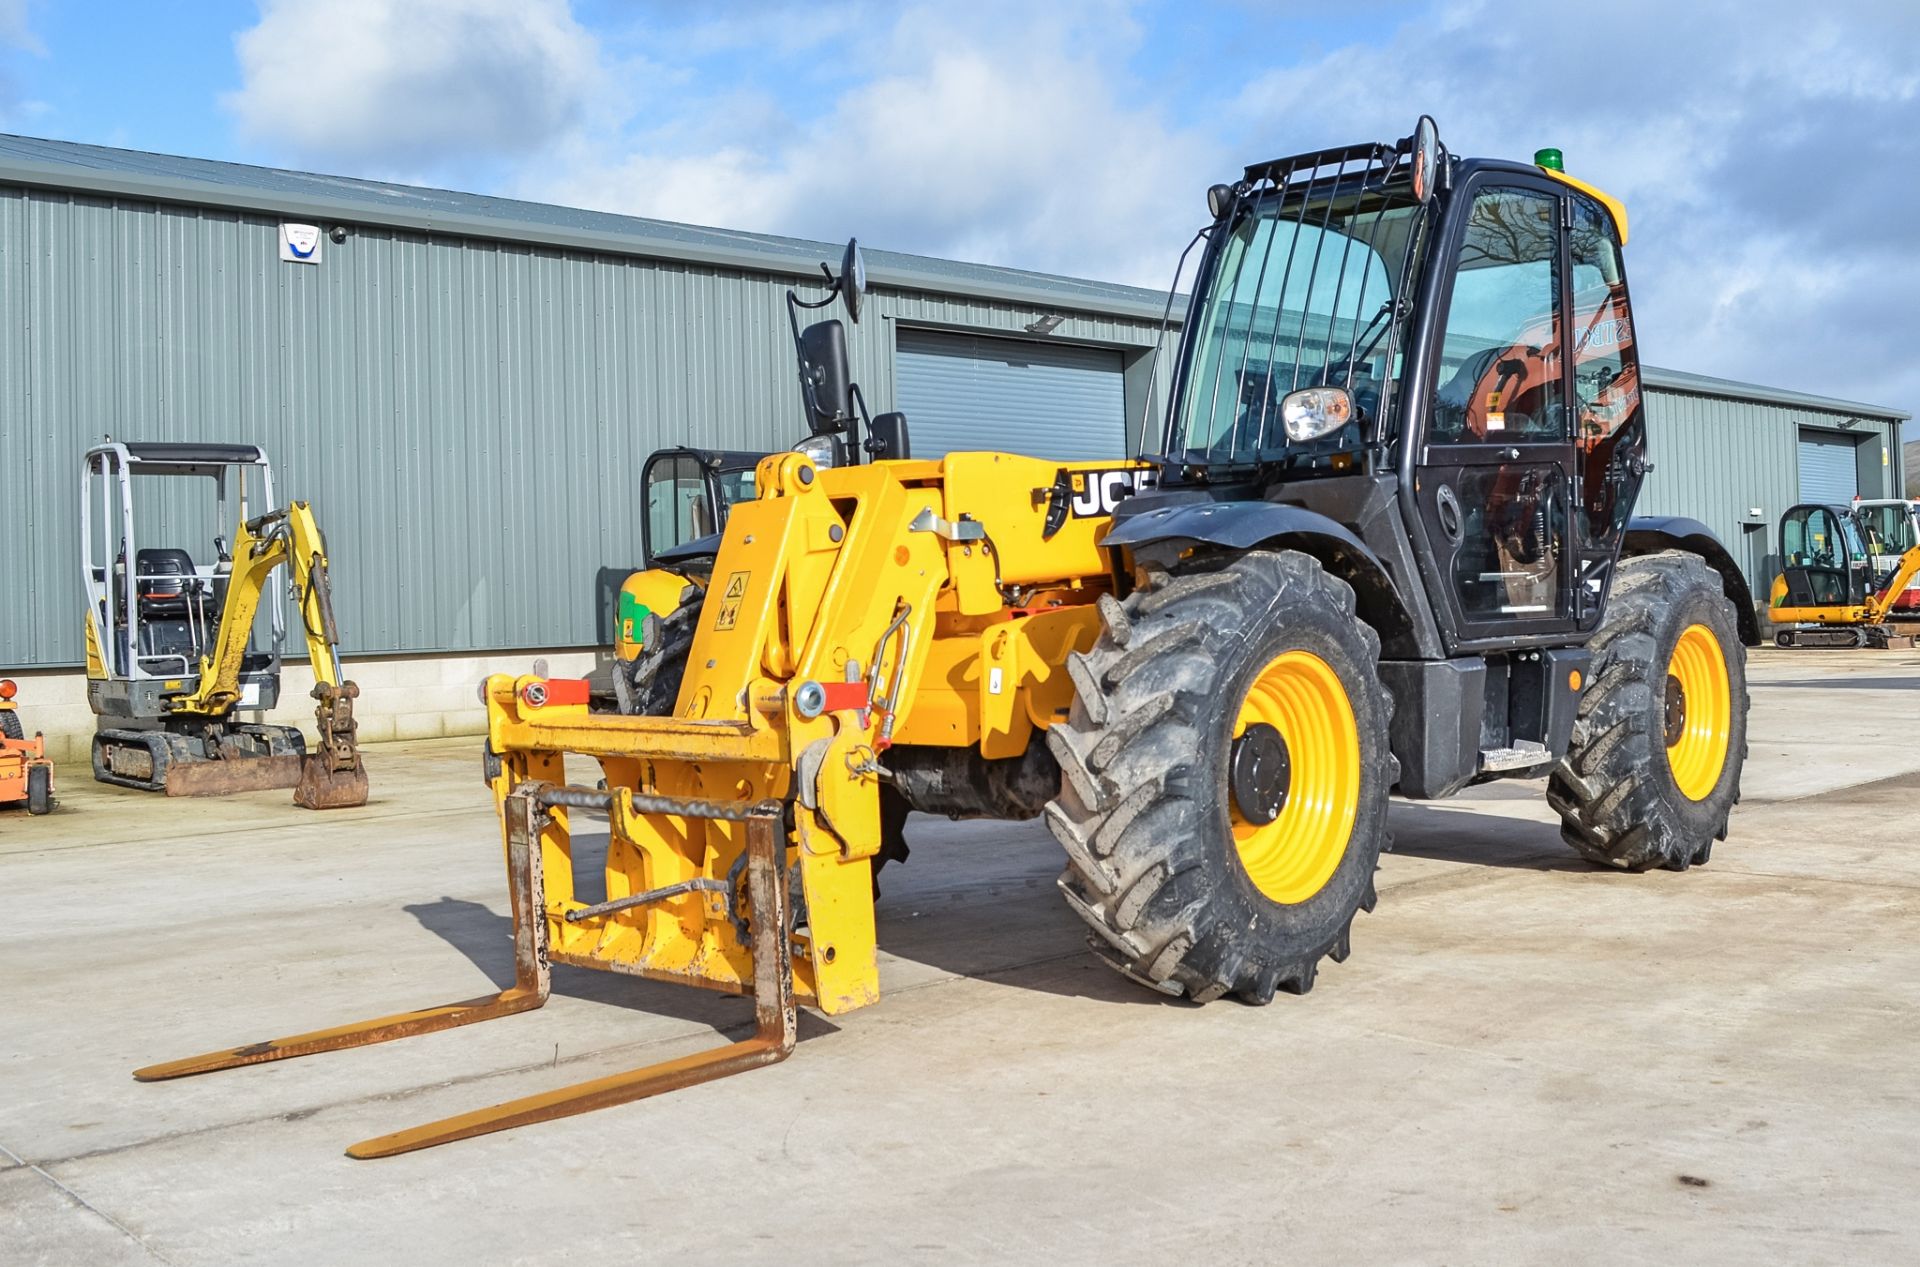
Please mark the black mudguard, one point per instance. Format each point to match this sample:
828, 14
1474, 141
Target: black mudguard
1233, 525
1650, 534
1247, 525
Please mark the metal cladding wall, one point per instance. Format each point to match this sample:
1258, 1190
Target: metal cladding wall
468, 417
1718, 457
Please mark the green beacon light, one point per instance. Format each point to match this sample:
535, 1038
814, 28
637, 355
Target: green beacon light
1550, 159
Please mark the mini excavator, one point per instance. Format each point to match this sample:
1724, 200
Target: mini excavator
1831, 591
171, 660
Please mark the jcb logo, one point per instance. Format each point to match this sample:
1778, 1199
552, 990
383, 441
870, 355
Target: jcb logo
1098, 492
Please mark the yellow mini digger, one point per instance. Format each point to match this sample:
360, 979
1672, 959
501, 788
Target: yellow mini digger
1384, 541
170, 640
1831, 591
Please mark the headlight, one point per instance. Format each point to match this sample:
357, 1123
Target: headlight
821, 449
1313, 412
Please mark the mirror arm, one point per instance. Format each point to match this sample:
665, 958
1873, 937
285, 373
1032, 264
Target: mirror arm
809, 401
854, 444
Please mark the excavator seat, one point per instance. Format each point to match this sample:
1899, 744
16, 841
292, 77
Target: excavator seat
168, 582
173, 608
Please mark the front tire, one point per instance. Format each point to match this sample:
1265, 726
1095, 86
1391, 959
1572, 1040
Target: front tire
654, 676
1224, 777
39, 790
1661, 735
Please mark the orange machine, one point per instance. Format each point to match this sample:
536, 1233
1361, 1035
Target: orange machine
25, 773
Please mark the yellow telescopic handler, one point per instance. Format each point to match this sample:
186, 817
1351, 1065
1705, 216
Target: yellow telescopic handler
1383, 542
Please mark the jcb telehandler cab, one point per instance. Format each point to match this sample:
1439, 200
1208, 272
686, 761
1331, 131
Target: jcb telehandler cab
1391, 545
171, 659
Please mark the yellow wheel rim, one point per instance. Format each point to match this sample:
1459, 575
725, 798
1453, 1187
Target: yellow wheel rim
1291, 858
1699, 712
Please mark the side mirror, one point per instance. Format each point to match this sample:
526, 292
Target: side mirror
825, 382
853, 279
1426, 157
887, 437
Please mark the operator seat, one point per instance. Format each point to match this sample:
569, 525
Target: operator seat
172, 601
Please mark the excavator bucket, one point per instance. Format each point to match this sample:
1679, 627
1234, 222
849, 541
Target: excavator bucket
333, 776
761, 908
322, 787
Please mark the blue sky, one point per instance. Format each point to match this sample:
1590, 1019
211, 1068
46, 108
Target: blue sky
1769, 152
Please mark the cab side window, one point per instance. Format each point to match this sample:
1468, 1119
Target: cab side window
677, 510
1606, 368
1500, 371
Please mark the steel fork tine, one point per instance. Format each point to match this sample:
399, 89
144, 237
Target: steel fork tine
772, 1041
531, 972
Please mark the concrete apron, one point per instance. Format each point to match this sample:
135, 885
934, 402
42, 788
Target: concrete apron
1525, 1060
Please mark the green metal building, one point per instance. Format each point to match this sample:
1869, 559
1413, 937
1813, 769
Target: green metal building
466, 387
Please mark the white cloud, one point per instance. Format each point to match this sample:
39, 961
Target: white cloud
16, 36
1764, 150
413, 84
14, 30
1012, 142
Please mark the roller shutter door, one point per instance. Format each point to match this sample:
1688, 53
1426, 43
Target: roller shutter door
1827, 470
976, 392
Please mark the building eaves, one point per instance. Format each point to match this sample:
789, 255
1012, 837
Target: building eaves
308, 196
1731, 389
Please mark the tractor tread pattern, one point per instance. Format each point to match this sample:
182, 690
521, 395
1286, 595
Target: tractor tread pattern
656, 673
1127, 815
1609, 793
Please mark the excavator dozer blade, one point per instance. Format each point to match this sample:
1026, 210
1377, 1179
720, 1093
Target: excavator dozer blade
323, 787
231, 774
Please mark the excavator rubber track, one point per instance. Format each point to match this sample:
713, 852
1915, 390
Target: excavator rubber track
245, 757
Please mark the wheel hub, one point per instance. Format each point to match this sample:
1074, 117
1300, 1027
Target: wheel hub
1260, 774
1676, 720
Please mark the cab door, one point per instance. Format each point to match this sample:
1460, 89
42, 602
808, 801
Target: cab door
1495, 467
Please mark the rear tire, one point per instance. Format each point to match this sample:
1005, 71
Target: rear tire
39, 790
1174, 879
1639, 787
10, 724
654, 676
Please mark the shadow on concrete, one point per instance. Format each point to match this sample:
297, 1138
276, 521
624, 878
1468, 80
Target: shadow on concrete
975, 900
486, 939
1845, 684
1453, 834
978, 900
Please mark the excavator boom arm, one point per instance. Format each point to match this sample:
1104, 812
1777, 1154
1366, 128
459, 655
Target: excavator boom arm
291, 537
1881, 603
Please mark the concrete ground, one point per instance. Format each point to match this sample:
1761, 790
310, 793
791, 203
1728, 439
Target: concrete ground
1526, 1060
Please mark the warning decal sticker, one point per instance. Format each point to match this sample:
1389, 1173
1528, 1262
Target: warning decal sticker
730, 600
